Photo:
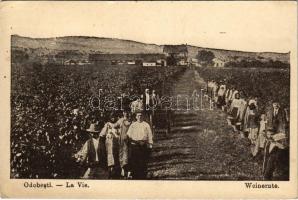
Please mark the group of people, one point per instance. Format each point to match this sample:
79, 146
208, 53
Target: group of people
121, 149
267, 129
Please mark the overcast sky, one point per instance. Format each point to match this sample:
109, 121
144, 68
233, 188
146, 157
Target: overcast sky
248, 26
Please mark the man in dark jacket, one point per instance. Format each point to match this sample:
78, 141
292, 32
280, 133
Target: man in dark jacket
276, 148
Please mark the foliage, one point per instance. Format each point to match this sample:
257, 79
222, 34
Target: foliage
45, 132
171, 60
205, 57
257, 64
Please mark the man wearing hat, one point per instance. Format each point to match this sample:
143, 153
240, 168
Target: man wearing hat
141, 141
93, 155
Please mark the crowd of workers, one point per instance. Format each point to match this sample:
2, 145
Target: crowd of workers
266, 129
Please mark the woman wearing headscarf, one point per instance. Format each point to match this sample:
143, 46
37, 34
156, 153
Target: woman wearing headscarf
261, 140
241, 111
124, 123
221, 96
249, 102
111, 131
234, 110
252, 122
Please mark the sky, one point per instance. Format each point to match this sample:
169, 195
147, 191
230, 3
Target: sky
246, 26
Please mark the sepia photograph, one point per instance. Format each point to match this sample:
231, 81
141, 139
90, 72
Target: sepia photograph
102, 108
164, 91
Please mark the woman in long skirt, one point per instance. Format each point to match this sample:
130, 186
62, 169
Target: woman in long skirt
124, 124
236, 103
110, 130
221, 96
261, 140
251, 118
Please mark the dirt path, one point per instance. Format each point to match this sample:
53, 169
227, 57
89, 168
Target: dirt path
201, 145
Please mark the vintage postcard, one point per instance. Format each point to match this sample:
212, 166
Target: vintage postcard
166, 99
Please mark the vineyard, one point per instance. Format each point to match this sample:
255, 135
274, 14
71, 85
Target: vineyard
44, 131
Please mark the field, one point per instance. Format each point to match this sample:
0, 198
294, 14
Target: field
201, 146
43, 133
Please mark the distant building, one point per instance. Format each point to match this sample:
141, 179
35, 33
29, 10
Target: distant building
129, 59
218, 62
149, 64
176, 54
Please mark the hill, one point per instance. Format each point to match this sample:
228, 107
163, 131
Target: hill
88, 45
230, 55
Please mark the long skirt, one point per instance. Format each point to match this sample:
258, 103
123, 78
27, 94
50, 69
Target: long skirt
123, 153
112, 148
138, 160
260, 144
253, 135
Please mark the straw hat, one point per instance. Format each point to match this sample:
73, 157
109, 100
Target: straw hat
92, 128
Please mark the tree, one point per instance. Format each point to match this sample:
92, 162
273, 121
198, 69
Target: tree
171, 60
205, 57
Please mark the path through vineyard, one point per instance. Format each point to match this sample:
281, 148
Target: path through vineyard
201, 145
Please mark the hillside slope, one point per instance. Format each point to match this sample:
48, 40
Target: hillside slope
86, 44
228, 55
